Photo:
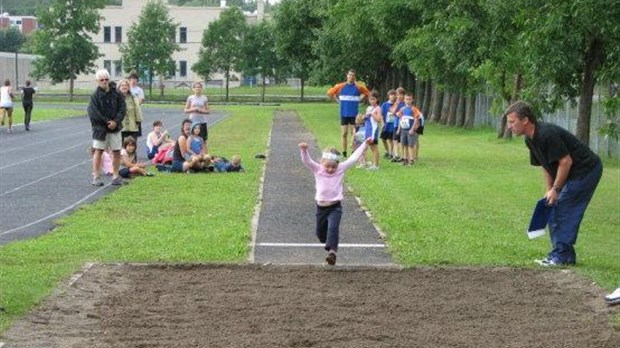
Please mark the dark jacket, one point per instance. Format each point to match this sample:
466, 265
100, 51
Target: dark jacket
103, 107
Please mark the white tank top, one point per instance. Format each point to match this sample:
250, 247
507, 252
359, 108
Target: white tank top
5, 98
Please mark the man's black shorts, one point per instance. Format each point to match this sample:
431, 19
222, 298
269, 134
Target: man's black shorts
347, 120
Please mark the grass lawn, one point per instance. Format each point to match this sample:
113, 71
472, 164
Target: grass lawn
467, 202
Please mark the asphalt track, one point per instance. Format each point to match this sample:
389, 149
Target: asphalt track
45, 174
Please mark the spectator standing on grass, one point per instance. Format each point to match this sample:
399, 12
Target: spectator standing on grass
6, 104
571, 172
106, 110
399, 104
387, 132
132, 123
348, 94
409, 122
373, 122
27, 102
136, 90
329, 178
197, 106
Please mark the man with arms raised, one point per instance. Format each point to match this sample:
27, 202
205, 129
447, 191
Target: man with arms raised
348, 94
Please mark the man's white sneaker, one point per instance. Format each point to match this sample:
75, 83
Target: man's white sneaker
614, 297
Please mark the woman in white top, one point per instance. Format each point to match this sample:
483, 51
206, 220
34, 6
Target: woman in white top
197, 106
6, 103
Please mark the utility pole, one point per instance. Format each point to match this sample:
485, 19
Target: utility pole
16, 71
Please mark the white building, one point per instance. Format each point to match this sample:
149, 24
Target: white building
192, 21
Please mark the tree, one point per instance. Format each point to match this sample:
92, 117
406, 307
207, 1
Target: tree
296, 27
569, 44
259, 50
221, 49
11, 40
64, 42
150, 43
357, 34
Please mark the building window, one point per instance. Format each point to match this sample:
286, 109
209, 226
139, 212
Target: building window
183, 35
118, 68
107, 64
173, 69
107, 34
183, 68
118, 34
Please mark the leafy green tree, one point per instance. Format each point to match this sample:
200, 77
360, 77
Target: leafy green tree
11, 40
150, 45
64, 42
222, 44
569, 46
260, 57
296, 27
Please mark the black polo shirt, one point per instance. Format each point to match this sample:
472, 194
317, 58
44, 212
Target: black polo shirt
550, 143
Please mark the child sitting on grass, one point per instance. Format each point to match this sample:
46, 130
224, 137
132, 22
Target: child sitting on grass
129, 164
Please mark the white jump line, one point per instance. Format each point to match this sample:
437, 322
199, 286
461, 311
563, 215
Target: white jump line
318, 245
46, 155
43, 178
56, 213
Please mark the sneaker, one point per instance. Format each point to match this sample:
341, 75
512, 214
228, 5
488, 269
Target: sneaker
372, 167
117, 181
331, 258
386, 155
406, 162
149, 174
614, 297
396, 159
553, 262
97, 181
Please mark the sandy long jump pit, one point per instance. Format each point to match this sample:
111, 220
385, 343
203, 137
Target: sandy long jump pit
308, 306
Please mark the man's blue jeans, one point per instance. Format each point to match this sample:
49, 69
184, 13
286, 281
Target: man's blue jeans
567, 214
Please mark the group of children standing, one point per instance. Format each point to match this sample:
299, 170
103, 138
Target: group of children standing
397, 122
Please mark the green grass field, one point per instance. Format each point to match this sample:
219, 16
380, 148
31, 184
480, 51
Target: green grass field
467, 202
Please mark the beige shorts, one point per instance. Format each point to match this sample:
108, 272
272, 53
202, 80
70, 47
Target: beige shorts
112, 140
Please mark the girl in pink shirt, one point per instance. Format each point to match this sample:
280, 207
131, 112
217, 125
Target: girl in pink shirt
329, 177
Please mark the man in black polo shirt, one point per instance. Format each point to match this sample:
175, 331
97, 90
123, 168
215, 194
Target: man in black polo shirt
571, 170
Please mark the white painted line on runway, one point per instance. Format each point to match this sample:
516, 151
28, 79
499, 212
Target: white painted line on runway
43, 178
47, 140
317, 245
56, 213
46, 155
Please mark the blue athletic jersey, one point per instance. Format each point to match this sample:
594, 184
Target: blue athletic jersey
406, 120
349, 97
387, 121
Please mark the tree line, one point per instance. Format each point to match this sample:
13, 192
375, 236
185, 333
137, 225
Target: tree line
446, 51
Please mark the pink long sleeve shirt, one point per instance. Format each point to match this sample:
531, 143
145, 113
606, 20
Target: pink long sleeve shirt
329, 186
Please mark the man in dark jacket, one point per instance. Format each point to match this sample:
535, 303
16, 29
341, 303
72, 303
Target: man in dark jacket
571, 171
106, 111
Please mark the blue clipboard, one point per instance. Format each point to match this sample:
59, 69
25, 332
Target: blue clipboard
540, 219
